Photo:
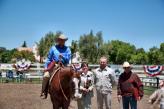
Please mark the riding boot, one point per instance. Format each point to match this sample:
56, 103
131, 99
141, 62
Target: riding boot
45, 83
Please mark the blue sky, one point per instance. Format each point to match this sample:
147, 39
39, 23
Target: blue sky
139, 22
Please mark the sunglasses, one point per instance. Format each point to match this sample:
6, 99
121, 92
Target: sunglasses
126, 67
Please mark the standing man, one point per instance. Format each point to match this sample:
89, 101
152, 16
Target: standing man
104, 79
57, 53
129, 87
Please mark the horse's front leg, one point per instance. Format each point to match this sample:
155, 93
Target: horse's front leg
66, 104
55, 106
55, 103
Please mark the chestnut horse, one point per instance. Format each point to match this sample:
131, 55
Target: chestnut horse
63, 86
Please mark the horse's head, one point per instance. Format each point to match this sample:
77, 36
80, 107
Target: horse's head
76, 82
66, 81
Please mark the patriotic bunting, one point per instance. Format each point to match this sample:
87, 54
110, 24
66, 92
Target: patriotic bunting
22, 65
153, 70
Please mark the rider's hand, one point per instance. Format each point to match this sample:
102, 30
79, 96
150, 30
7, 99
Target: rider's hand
119, 98
60, 56
44, 70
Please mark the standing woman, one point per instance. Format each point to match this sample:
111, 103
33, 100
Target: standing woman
86, 87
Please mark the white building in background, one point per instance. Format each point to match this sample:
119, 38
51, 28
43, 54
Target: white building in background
24, 49
35, 51
76, 58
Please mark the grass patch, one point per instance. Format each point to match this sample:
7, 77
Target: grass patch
149, 90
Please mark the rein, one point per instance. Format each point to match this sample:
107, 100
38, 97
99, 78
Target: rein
53, 74
61, 86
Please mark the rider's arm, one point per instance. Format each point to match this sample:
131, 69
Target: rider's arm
50, 57
66, 56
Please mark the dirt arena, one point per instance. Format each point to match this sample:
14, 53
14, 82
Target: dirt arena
26, 96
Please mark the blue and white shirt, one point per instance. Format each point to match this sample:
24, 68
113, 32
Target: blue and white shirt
54, 53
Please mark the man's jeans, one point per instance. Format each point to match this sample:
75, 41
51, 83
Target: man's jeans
104, 98
126, 100
161, 106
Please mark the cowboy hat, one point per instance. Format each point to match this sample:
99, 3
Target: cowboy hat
126, 64
62, 37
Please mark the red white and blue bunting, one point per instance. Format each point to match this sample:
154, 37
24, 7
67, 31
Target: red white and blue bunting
22, 65
153, 70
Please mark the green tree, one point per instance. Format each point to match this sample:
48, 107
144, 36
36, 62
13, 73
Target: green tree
89, 46
154, 55
120, 51
24, 44
74, 46
45, 43
139, 58
2, 49
24, 55
162, 47
5, 56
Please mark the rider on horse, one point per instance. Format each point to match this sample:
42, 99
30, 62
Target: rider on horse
57, 53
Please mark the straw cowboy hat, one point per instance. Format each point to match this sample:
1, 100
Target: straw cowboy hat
126, 64
62, 37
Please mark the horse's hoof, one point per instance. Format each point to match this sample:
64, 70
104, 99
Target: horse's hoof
43, 96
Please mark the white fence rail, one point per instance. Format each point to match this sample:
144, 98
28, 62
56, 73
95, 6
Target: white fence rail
36, 69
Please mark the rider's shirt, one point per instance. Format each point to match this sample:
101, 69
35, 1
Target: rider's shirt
54, 53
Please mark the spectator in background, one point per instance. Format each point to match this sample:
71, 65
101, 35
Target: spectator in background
9, 75
104, 80
157, 98
86, 87
0, 76
130, 87
0, 71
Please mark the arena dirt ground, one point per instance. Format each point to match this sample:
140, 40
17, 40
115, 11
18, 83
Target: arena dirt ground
26, 96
